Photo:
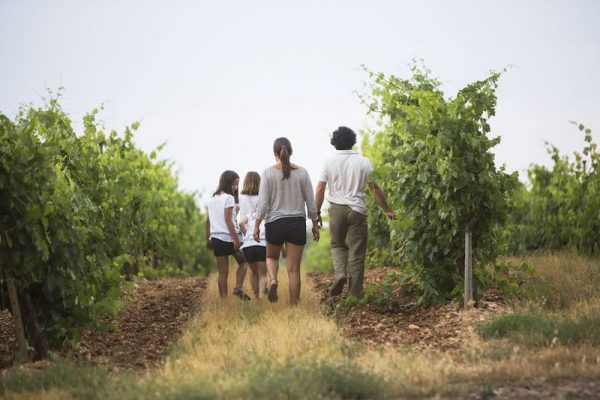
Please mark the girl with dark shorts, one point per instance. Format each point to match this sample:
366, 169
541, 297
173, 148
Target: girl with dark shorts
223, 233
284, 197
248, 203
255, 253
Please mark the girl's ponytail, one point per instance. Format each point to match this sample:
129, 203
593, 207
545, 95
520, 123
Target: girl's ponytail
283, 150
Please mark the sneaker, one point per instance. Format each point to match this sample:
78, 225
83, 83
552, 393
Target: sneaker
338, 285
239, 293
272, 296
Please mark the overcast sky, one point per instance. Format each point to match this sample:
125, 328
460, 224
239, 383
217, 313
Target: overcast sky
219, 81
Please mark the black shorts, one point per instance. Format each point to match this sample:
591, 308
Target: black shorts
292, 230
255, 253
222, 248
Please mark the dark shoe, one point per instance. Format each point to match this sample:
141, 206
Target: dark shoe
338, 285
239, 293
273, 292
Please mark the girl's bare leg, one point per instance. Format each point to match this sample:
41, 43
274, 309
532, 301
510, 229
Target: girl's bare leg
254, 278
241, 270
262, 277
223, 265
292, 264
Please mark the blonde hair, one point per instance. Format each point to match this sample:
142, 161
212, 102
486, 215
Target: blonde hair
251, 183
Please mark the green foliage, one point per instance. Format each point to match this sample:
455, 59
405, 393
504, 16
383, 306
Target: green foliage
543, 330
317, 256
380, 294
76, 212
561, 210
433, 159
514, 281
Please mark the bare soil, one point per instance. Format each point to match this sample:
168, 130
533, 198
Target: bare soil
154, 316
403, 323
8, 340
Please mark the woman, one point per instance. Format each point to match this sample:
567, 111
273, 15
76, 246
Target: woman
284, 196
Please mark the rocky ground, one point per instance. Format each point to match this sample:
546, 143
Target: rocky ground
154, 316
401, 322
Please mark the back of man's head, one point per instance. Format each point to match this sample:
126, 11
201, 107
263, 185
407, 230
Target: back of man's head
343, 138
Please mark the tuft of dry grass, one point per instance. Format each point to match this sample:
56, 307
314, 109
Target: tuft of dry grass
565, 280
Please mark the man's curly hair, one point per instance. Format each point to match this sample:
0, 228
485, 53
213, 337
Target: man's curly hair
343, 138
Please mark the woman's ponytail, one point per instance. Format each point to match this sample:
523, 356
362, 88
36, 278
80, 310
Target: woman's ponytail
283, 150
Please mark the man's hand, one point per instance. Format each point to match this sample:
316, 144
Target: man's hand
209, 244
380, 200
236, 244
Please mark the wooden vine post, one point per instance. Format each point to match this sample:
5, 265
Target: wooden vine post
468, 296
23, 346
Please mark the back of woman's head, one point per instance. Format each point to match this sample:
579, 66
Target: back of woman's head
251, 183
282, 148
226, 184
343, 138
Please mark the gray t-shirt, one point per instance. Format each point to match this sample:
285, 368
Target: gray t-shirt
281, 198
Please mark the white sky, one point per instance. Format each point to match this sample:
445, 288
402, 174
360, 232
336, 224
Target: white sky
219, 81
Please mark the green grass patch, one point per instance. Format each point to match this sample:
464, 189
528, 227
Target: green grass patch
543, 330
311, 380
80, 382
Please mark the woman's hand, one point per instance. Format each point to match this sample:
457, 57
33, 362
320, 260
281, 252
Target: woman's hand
209, 244
256, 233
315, 230
236, 244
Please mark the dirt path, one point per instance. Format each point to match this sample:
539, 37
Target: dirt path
155, 315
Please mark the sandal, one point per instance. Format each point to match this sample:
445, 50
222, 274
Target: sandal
272, 296
239, 293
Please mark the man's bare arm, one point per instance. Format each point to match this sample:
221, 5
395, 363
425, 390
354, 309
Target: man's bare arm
380, 200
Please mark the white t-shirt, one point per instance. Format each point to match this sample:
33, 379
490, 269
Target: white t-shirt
216, 214
346, 174
249, 236
248, 205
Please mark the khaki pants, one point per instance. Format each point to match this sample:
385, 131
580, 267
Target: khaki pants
349, 236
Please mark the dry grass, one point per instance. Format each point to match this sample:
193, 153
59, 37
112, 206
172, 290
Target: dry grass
566, 280
230, 337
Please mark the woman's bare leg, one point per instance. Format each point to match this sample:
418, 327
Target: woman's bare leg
273, 268
223, 265
292, 264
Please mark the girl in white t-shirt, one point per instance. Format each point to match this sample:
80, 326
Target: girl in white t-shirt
248, 203
223, 233
255, 253
249, 194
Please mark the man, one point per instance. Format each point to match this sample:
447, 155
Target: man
347, 173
